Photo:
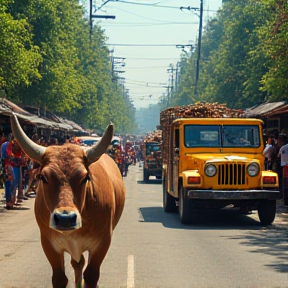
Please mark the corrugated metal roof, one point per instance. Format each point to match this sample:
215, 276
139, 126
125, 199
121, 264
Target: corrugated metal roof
35, 120
281, 110
262, 109
7, 108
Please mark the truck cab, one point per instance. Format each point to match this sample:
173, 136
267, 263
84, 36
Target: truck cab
216, 162
152, 160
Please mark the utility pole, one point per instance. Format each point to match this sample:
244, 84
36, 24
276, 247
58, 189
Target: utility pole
193, 9
169, 89
183, 48
91, 16
177, 80
199, 47
171, 70
116, 62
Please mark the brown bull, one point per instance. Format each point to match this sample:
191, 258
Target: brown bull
80, 198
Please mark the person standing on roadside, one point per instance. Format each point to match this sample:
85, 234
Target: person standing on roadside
283, 154
267, 152
16, 158
7, 175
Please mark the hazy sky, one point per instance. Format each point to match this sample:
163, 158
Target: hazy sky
145, 33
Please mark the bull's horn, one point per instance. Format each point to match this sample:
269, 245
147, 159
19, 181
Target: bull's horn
33, 150
94, 153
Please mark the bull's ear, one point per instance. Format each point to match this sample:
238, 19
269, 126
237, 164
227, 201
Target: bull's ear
95, 152
33, 150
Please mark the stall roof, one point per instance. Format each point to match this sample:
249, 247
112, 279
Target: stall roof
280, 110
263, 109
7, 108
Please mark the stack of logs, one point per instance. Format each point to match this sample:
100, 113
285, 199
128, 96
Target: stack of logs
197, 110
154, 136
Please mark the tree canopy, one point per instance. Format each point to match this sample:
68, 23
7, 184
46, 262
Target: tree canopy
243, 56
49, 60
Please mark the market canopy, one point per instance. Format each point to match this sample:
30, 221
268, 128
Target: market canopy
264, 109
7, 108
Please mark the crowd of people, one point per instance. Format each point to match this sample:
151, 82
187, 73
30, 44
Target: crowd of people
17, 169
124, 155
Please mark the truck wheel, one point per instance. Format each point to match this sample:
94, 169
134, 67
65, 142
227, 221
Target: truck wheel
185, 207
169, 204
267, 211
145, 175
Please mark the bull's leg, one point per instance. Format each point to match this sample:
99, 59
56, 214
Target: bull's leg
78, 270
56, 260
92, 271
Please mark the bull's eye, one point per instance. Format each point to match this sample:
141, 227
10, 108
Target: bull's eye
87, 178
42, 178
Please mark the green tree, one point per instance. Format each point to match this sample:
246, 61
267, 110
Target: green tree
75, 73
227, 73
233, 59
19, 58
274, 41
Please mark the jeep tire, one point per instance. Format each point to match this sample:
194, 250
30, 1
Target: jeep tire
267, 211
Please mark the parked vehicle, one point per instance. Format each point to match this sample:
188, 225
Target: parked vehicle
87, 140
152, 160
215, 162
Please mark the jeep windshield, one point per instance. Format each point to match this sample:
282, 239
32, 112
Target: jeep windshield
221, 136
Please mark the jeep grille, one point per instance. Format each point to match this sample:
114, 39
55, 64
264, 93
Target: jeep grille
231, 174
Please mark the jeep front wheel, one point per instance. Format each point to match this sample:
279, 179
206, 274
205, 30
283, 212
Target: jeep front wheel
185, 207
267, 211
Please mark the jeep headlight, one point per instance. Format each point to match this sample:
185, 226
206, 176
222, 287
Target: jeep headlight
210, 170
253, 169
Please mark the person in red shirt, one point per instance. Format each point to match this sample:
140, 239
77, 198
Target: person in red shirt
7, 174
16, 158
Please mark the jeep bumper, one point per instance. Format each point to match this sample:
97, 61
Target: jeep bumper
233, 195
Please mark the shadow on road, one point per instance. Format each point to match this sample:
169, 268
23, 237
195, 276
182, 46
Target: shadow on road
271, 240
203, 220
150, 181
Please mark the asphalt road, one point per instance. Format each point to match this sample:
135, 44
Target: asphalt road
152, 249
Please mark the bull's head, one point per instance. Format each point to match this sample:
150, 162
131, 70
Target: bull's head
63, 183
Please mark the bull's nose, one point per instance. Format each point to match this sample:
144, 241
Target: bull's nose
65, 220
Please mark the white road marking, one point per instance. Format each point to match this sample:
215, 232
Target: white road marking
130, 272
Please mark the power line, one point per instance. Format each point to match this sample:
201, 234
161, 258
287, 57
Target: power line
133, 24
158, 59
155, 5
145, 67
144, 85
145, 82
144, 45
147, 4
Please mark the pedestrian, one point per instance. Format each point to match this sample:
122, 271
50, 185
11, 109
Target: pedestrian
16, 158
267, 152
283, 154
7, 175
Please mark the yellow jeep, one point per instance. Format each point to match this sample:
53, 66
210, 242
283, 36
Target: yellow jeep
215, 162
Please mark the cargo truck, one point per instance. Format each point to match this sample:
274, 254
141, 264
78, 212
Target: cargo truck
152, 155
211, 158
